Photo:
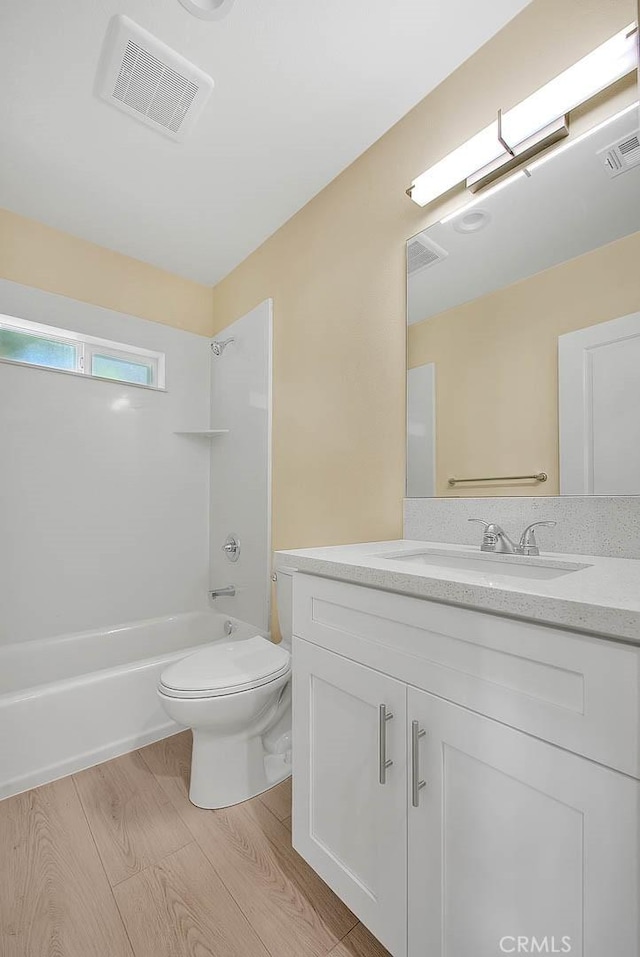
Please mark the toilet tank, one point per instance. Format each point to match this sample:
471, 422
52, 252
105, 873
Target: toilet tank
284, 598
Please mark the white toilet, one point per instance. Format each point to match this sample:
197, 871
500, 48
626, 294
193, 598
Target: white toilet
236, 697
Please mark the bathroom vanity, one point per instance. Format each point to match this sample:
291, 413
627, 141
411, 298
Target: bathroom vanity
467, 745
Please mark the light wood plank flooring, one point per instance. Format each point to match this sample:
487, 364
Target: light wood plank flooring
116, 862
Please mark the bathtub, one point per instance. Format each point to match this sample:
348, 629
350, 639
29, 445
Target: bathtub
71, 702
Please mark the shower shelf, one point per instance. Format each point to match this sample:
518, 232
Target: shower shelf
207, 433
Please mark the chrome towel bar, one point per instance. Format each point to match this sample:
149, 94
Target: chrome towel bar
539, 477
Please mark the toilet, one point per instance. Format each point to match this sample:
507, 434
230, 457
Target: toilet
235, 695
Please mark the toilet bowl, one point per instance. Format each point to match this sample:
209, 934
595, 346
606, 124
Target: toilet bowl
235, 695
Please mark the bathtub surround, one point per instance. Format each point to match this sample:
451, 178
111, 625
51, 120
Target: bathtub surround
106, 512
241, 466
586, 525
103, 509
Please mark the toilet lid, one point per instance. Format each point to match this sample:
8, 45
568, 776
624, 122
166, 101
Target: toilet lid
226, 667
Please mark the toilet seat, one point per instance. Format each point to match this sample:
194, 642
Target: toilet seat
226, 667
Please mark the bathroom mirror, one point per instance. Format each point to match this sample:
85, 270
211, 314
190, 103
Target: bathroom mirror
523, 339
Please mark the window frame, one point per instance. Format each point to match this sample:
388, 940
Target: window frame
85, 347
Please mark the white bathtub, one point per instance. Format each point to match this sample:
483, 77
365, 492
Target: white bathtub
71, 702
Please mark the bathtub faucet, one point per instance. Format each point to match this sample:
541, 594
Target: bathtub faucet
227, 592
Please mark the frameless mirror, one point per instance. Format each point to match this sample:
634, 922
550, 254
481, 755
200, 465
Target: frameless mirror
523, 356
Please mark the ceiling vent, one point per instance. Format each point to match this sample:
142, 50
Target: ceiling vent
622, 155
423, 252
145, 78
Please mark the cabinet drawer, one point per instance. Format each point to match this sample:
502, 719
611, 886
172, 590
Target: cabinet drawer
572, 690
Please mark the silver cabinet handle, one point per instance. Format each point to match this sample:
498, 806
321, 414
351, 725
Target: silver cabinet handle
383, 761
416, 784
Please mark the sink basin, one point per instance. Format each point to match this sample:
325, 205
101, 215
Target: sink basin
510, 566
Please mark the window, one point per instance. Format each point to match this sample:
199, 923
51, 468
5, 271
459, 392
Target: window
36, 344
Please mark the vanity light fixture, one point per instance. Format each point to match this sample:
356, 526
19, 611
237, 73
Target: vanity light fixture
462, 211
532, 125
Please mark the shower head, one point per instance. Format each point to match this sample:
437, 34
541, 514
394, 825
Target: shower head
218, 346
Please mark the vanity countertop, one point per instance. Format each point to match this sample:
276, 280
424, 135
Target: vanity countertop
602, 597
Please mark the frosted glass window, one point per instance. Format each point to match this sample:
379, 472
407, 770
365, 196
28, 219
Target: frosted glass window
63, 350
123, 370
37, 351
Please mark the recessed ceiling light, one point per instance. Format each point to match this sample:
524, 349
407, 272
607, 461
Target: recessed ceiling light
472, 221
208, 9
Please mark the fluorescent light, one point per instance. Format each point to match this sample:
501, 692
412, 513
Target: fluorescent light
589, 76
480, 150
521, 174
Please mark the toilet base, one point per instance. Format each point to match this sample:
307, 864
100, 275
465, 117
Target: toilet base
228, 770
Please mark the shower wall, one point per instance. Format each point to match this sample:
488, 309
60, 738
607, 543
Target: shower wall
104, 510
241, 465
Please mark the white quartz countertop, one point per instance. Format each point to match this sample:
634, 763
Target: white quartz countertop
602, 598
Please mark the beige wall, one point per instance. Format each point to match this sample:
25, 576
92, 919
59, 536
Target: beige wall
336, 272
497, 366
37, 255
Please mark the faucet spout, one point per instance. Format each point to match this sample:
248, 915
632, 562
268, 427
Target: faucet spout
227, 592
495, 539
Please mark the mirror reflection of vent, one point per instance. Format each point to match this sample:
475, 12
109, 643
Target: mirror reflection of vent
622, 155
423, 252
148, 80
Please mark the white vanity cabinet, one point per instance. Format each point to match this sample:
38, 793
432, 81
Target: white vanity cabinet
512, 834
344, 794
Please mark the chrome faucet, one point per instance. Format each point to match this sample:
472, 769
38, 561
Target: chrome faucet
528, 544
228, 591
496, 540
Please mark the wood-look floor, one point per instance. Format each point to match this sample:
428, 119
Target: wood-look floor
116, 862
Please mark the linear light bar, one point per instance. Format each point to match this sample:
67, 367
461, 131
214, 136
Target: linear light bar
586, 78
540, 161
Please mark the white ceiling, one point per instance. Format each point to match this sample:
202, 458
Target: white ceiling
302, 88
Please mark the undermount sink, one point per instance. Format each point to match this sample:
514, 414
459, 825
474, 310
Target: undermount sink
502, 565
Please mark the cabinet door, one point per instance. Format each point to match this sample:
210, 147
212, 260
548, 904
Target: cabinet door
513, 837
349, 812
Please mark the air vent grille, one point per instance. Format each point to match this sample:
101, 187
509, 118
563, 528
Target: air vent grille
423, 252
152, 88
630, 145
150, 81
623, 155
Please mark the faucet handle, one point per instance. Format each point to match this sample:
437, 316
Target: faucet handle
528, 544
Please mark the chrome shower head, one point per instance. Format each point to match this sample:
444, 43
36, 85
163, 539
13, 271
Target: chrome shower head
219, 345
